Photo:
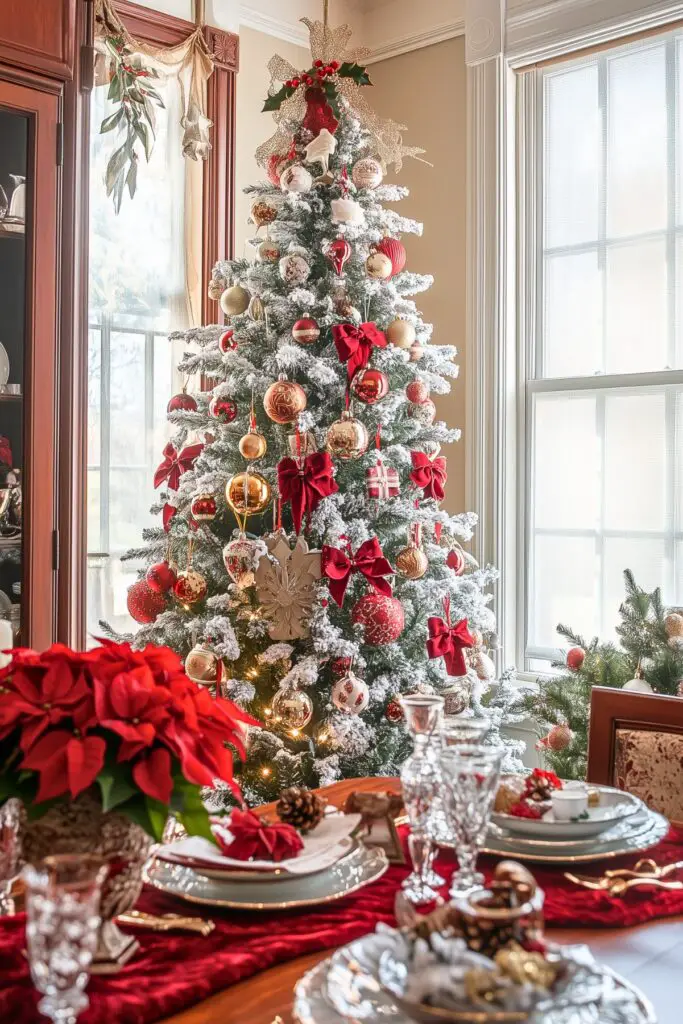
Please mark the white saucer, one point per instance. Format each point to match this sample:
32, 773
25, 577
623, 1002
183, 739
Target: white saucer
615, 805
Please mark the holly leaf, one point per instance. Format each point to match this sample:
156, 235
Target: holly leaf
332, 97
355, 71
275, 101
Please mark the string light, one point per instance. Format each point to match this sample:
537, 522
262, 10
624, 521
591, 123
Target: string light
268, 712
295, 733
266, 771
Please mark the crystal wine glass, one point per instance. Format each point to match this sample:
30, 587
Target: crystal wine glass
454, 731
9, 853
421, 783
62, 907
470, 777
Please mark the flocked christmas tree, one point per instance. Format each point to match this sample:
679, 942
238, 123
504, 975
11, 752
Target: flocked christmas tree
647, 659
304, 562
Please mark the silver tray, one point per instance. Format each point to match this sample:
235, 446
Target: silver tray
346, 988
359, 868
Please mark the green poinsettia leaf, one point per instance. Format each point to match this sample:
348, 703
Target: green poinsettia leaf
358, 73
149, 814
189, 809
115, 787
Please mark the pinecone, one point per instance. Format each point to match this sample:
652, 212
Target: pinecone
301, 808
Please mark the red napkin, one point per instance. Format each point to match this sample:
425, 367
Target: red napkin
254, 838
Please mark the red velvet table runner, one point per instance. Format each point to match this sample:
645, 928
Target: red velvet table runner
174, 971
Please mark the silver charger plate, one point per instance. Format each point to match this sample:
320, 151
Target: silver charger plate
362, 866
347, 987
644, 832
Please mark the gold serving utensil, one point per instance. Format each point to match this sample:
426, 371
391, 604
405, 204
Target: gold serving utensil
644, 870
167, 922
617, 886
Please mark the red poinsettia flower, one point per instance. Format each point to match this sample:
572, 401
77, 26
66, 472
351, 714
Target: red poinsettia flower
132, 706
67, 762
152, 773
109, 659
35, 697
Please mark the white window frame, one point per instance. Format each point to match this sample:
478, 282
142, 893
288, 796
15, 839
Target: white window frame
504, 220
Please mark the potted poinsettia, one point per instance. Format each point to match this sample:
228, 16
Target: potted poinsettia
100, 746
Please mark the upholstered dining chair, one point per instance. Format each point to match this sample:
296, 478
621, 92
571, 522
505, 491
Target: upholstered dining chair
635, 742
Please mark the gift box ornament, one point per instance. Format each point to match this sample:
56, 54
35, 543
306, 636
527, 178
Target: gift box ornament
382, 481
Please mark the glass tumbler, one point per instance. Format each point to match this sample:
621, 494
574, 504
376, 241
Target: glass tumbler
421, 784
470, 779
62, 920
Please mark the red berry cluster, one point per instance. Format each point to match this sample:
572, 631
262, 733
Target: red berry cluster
322, 70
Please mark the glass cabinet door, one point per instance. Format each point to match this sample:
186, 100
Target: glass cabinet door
28, 347
14, 141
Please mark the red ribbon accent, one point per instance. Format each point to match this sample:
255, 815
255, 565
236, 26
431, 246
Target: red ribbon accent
429, 474
319, 113
448, 642
355, 344
305, 483
167, 513
176, 463
337, 565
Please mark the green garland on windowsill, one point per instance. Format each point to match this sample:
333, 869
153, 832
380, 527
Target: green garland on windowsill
650, 647
131, 90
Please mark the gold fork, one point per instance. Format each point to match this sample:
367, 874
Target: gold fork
643, 871
167, 922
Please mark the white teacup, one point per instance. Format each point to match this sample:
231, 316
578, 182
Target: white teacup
569, 803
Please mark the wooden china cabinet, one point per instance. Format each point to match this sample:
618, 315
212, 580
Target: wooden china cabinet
46, 72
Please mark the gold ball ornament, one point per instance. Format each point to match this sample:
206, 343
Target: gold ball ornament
202, 665
378, 266
292, 707
256, 309
253, 446
400, 333
269, 251
283, 401
263, 212
235, 300
347, 438
673, 624
367, 173
411, 562
189, 587
247, 494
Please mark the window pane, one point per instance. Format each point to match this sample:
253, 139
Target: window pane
572, 156
637, 335
573, 561
637, 141
129, 501
565, 442
127, 398
572, 329
646, 560
635, 462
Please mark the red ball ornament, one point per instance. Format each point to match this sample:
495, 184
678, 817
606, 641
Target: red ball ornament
559, 737
417, 391
223, 409
339, 254
189, 587
575, 658
396, 251
227, 341
382, 618
160, 577
306, 330
393, 712
370, 385
455, 560
182, 403
204, 508
144, 604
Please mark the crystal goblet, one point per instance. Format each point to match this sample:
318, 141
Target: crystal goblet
455, 730
62, 920
470, 776
9, 853
421, 783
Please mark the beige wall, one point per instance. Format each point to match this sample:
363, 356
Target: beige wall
425, 90
253, 127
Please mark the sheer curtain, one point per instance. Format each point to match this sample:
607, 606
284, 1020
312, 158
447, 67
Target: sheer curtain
145, 274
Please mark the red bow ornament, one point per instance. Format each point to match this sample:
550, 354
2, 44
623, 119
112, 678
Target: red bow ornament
448, 642
355, 344
249, 838
176, 463
429, 474
337, 565
305, 482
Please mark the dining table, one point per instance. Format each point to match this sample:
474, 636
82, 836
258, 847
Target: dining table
650, 955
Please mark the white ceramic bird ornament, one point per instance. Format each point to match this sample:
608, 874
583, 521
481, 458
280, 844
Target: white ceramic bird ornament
321, 149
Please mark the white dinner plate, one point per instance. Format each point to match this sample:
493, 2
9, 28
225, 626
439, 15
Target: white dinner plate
308, 865
359, 868
636, 834
615, 805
